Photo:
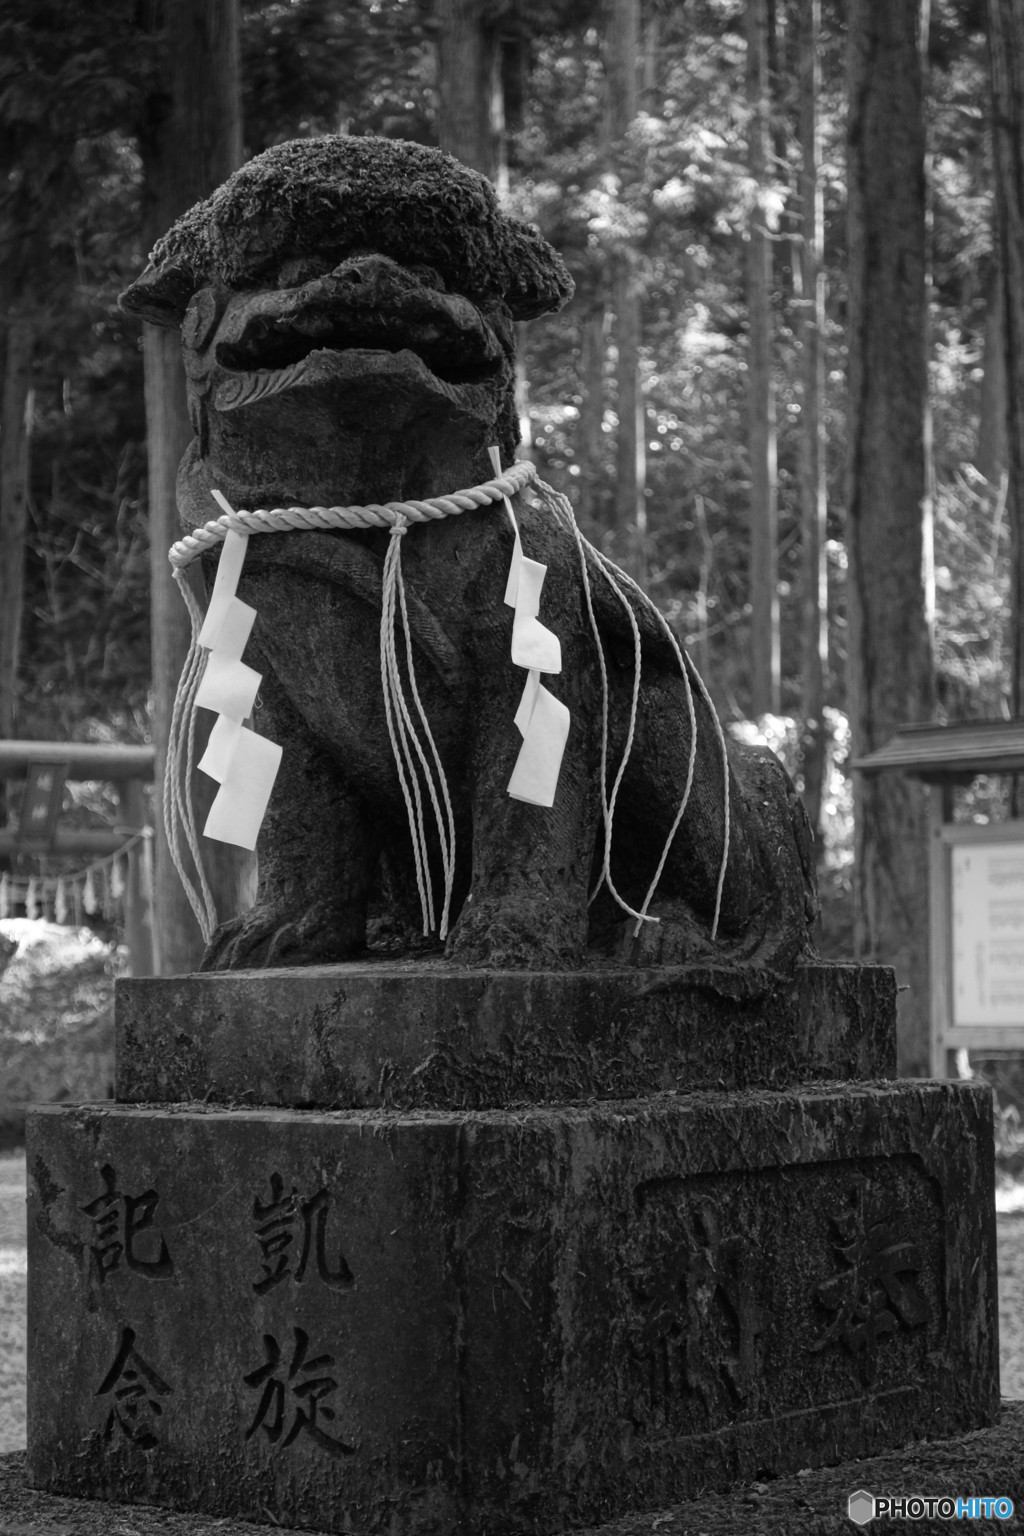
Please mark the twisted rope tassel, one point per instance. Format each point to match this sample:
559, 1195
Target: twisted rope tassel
562, 508
405, 740
178, 810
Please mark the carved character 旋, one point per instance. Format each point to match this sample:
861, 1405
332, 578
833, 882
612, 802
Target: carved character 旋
347, 310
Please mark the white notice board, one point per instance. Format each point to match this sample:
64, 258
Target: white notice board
987, 910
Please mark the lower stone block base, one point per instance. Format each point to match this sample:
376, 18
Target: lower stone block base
503, 1322
806, 1503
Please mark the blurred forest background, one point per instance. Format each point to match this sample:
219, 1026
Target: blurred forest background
781, 396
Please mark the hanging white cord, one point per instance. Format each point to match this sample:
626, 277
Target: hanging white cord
403, 734
178, 810
391, 684
610, 571
608, 800
447, 841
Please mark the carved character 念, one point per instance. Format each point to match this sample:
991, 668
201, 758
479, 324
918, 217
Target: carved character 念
136, 1388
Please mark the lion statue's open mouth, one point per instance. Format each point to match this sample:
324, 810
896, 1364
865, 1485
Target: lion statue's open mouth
368, 304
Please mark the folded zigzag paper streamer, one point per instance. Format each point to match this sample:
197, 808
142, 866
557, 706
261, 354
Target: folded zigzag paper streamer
541, 719
243, 763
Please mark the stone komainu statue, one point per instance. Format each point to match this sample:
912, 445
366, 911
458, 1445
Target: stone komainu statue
347, 311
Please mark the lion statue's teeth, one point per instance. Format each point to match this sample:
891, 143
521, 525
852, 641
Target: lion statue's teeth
232, 393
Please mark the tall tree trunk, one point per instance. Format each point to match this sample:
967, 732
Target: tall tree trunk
14, 461
651, 59
591, 433
891, 677
471, 125
622, 53
190, 142
1006, 57
630, 443
471, 117
990, 454
765, 653
928, 503
523, 394
810, 276
700, 597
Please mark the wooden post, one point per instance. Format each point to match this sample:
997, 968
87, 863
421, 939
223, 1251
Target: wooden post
940, 811
15, 412
138, 901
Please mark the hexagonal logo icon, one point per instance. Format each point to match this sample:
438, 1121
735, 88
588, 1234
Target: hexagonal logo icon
861, 1507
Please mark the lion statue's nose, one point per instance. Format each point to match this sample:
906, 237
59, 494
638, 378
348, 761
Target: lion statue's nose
370, 278
363, 269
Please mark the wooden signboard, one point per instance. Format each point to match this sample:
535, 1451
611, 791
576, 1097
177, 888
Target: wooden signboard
975, 885
977, 938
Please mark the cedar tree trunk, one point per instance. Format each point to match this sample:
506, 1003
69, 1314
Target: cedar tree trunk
891, 677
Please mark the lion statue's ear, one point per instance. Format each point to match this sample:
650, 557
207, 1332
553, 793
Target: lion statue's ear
161, 293
538, 280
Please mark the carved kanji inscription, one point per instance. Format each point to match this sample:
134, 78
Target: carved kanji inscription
121, 1231
702, 1320
876, 1290
292, 1402
283, 1218
135, 1388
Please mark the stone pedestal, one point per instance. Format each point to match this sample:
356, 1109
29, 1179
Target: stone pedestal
340, 1277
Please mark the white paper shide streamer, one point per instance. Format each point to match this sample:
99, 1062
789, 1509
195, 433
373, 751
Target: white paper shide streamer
244, 764
541, 719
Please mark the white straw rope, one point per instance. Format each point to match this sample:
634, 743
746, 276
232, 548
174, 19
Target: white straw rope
386, 515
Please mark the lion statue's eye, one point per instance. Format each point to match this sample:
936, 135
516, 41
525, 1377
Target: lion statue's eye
301, 269
430, 277
201, 318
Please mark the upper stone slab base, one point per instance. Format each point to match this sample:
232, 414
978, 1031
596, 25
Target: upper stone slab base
409, 1034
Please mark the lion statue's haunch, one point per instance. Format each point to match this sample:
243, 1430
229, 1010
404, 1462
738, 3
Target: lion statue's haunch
347, 310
